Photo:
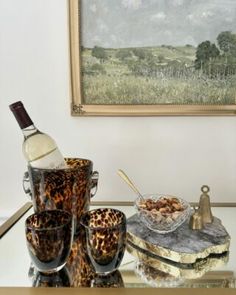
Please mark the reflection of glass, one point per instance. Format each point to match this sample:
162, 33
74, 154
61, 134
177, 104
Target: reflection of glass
112, 280
105, 238
56, 279
79, 264
155, 277
181, 270
49, 238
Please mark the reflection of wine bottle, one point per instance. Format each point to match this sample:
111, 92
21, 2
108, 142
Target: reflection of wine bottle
39, 149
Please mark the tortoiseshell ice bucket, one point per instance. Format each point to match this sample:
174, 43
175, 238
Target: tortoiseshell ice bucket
68, 188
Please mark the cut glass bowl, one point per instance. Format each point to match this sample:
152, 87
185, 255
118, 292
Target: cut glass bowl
162, 213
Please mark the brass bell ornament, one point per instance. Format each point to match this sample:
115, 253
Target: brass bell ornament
205, 205
196, 220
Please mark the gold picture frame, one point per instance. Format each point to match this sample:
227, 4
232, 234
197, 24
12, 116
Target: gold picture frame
79, 106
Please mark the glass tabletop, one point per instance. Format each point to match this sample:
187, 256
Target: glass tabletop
138, 270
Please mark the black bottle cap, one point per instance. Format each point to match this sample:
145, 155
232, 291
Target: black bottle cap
20, 114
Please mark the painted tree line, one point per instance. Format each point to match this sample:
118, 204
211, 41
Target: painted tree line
213, 60
217, 61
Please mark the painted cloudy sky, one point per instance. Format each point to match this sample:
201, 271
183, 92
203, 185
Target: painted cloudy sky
134, 23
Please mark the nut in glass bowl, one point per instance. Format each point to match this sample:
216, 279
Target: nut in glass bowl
162, 213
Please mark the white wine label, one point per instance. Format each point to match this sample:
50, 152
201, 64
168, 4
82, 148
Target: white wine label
52, 160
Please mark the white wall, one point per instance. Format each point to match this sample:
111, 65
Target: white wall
174, 155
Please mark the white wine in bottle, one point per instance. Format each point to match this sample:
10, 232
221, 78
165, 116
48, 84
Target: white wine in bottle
39, 149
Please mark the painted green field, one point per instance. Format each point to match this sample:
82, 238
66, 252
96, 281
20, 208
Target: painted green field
160, 75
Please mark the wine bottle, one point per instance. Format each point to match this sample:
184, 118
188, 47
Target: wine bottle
39, 149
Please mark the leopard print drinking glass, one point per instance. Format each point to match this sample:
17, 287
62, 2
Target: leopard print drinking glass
49, 239
68, 189
105, 238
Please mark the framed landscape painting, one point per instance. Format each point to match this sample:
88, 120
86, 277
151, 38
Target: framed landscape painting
152, 57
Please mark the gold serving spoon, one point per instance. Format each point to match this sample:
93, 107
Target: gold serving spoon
122, 174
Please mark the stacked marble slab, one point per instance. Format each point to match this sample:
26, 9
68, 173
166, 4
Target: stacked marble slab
184, 252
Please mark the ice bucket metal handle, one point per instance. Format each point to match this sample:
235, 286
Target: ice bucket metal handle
94, 183
26, 186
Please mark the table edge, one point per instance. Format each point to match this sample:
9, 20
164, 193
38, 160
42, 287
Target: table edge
113, 291
131, 203
19, 213
4, 228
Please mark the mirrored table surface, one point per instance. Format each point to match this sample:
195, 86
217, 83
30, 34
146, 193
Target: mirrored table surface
217, 271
